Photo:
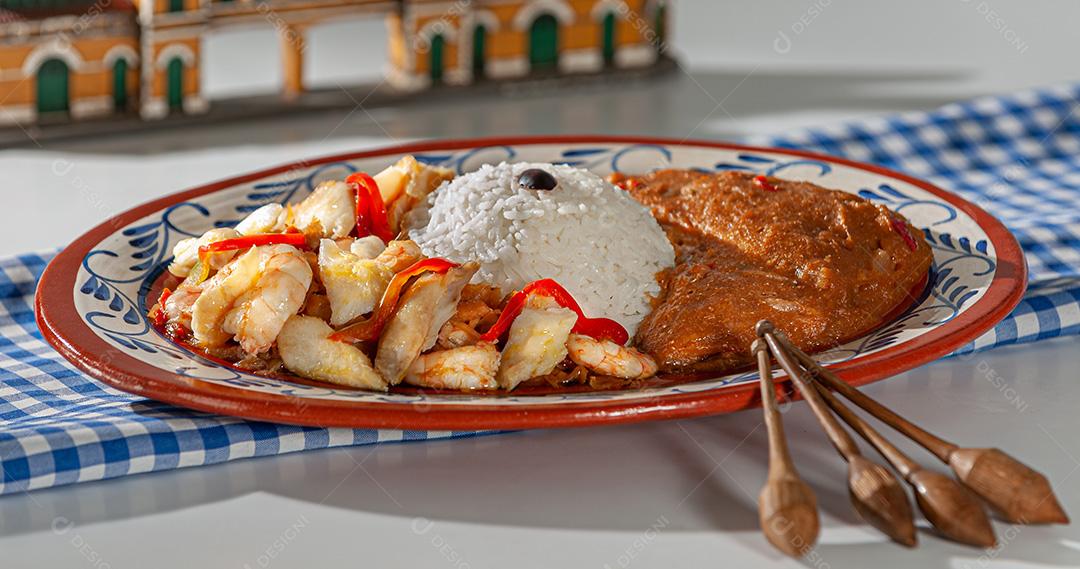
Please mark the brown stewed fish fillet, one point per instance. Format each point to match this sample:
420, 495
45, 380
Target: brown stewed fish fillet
825, 266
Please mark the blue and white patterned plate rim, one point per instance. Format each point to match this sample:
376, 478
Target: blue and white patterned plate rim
112, 283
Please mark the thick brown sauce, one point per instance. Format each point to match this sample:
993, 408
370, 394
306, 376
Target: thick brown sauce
825, 266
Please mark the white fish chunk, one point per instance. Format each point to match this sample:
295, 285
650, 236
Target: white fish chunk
422, 310
269, 218
330, 211
353, 285
307, 351
405, 184
536, 343
367, 247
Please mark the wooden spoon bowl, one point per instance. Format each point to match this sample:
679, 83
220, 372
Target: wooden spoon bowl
789, 517
954, 510
1012, 489
950, 507
881, 500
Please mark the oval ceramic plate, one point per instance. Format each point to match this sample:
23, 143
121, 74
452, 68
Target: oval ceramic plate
92, 299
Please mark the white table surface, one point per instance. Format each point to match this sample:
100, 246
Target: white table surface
670, 494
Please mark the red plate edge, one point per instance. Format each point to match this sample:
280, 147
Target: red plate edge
73, 339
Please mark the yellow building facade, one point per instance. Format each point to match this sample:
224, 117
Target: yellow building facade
459, 43
73, 65
82, 60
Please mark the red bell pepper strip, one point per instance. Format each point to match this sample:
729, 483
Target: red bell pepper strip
369, 330
625, 183
900, 227
763, 183
157, 315
246, 242
513, 308
599, 328
370, 209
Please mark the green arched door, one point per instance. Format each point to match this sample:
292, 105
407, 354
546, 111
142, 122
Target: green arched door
52, 87
479, 51
120, 85
438, 47
176, 83
544, 43
608, 33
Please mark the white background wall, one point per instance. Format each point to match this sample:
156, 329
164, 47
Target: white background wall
975, 36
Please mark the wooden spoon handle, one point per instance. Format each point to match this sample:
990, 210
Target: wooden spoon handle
787, 507
839, 437
939, 447
900, 461
780, 462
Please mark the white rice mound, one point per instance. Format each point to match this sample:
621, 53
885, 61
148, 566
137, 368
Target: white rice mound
591, 237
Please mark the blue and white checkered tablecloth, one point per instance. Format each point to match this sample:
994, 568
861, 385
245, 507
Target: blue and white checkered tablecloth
1018, 156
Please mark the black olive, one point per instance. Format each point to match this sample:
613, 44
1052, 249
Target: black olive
536, 179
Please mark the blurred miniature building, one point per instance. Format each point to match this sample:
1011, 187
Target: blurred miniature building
73, 59
59, 59
432, 42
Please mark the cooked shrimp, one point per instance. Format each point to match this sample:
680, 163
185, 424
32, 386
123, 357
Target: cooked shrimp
330, 211
353, 285
605, 357
424, 307
537, 342
269, 218
367, 247
177, 307
210, 309
306, 351
398, 255
251, 298
186, 251
468, 367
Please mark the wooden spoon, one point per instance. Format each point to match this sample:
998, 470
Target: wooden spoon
876, 494
1015, 491
950, 507
787, 507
